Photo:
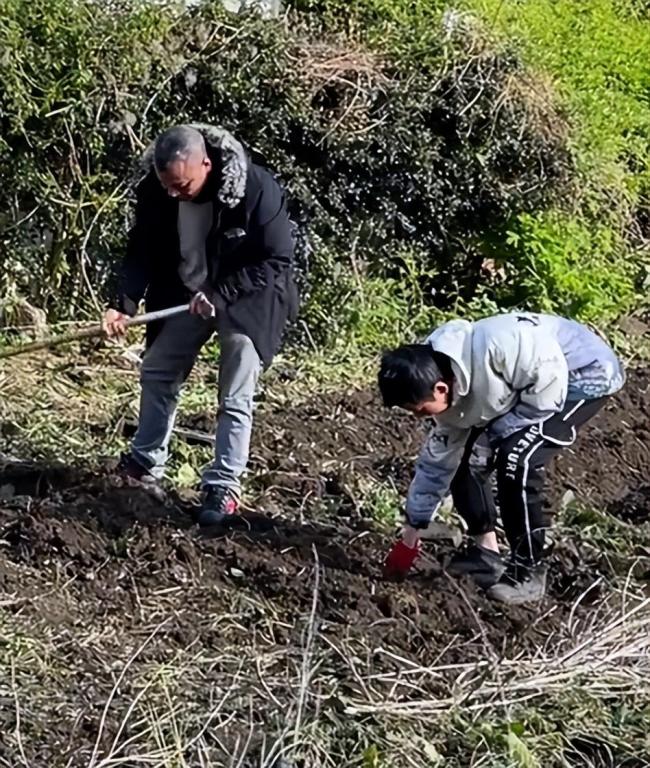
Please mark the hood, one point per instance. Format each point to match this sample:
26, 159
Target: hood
232, 186
454, 339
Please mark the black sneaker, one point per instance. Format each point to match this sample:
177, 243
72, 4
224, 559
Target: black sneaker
129, 467
483, 565
220, 506
135, 474
520, 584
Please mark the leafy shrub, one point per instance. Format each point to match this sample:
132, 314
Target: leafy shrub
381, 156
556, 263
590, 255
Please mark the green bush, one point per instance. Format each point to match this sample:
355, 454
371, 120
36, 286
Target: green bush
589, 255
383, 154
597, 53
415, 141
69, 72
558, 263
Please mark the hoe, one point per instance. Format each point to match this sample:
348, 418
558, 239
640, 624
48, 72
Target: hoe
89, 333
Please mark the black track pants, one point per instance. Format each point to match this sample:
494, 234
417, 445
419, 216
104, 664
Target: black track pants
520, 461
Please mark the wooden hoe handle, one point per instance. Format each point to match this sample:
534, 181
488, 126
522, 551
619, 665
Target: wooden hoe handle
89, 333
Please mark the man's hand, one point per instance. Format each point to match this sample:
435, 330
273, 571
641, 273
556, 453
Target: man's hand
201, 305
114, 323
401, 557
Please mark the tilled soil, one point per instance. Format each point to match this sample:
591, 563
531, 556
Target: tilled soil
95, 531
96, 563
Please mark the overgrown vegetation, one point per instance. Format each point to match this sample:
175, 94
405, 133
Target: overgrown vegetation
391, 159
589, 254
595, 248
414, 139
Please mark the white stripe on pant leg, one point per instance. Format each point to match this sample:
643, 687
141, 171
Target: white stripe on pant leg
562, 443
574, 433
524, 495
543, 437
568, 415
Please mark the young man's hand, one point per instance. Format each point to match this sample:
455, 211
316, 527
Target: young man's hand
403, 554
114, 323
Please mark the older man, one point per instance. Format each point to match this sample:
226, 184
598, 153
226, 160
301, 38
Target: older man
211, 227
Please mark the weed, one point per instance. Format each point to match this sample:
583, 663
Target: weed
383, 503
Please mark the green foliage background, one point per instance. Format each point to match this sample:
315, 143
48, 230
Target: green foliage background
417, 139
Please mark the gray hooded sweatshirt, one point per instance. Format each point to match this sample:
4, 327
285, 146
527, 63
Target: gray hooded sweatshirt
510, 371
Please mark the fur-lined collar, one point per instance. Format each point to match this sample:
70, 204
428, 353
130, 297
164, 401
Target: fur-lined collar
234, 162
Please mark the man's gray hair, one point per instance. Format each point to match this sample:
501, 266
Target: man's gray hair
177, 143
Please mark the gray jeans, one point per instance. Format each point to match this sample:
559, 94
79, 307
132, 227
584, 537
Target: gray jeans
166, 366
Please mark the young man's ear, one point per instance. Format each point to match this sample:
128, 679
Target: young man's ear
441, 390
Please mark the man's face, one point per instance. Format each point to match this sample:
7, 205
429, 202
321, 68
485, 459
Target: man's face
433, 405
184, 179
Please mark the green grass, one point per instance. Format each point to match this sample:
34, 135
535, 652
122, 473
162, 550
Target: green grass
597, 54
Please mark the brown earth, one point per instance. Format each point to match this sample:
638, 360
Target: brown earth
96, 564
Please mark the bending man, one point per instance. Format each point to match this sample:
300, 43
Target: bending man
506, 394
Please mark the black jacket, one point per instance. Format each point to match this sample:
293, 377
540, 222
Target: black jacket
249, 249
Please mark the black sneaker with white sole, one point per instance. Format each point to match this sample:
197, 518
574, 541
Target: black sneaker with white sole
483, 566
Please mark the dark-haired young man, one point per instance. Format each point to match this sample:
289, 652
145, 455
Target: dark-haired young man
506, 394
